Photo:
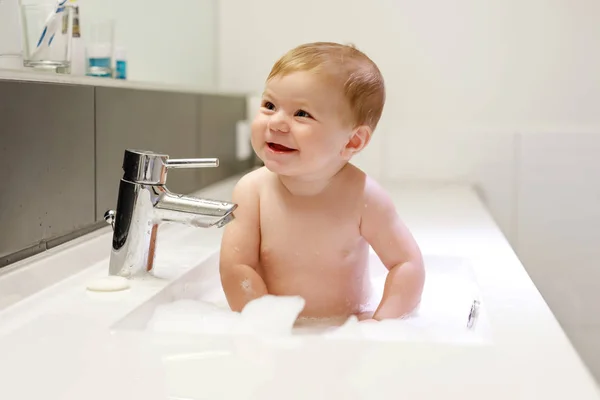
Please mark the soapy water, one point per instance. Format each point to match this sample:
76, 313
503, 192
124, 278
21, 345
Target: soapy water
268, 315
442, 315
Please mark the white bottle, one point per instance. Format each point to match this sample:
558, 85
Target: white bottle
78, 56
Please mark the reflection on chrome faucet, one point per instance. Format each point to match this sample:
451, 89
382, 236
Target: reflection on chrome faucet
144, 202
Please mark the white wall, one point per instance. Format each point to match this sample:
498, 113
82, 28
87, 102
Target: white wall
167, 43
10, 31
463, 76
558, 230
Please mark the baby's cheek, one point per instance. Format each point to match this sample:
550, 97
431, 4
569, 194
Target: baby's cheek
258, 122
257, 128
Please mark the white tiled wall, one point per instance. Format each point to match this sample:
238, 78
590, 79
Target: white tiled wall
462, 77
558, 231
485, 159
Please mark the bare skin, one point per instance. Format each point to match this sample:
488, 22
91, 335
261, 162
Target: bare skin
318, 252
305, 221
317, 247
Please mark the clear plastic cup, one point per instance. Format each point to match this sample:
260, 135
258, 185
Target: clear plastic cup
100, 48
47, 36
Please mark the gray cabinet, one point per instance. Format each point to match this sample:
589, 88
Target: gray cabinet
217, 117
47, 163
61, 150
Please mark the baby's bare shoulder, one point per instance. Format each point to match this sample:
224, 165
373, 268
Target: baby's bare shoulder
251, 183
377, 199
254, 177
373, 197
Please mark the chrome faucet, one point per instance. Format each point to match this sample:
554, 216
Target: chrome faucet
144, 202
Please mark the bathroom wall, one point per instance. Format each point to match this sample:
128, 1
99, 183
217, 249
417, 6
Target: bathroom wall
558, 230
166, 43
10, 31
463, 77
61, 166
170, 43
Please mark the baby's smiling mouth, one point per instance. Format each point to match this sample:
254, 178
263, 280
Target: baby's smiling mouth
280, 148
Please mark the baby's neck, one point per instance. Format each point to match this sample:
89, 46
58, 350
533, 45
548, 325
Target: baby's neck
310, 185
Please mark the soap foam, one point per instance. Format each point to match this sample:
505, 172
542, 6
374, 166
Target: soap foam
267, 315
441, 316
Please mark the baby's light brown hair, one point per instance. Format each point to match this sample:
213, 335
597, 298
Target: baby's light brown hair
358, 76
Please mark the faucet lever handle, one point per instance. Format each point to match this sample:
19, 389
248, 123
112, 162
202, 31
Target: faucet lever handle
149, 168
193, 163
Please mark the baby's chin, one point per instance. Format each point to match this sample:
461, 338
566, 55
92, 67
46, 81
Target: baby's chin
283, 169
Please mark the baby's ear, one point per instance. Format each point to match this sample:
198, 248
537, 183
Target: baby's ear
358, 141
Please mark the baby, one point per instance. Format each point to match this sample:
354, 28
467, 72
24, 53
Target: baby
306, 219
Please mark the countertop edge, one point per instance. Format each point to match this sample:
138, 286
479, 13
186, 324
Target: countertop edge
53, 78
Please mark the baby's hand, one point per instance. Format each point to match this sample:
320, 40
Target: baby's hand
366, 317
368, 321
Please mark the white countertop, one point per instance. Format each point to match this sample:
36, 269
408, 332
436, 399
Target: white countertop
56, 343
27, 75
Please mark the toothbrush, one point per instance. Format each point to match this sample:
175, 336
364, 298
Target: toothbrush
50, 27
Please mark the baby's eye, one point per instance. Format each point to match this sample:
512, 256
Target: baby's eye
303, 114
268, 105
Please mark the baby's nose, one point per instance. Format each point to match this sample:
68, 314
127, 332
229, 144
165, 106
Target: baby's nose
279, 123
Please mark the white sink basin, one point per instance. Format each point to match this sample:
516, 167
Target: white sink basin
449, 294
211, 366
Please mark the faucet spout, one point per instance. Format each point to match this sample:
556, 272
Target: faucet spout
193, 211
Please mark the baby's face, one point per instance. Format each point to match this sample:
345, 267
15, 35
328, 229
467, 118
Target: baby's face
300, 128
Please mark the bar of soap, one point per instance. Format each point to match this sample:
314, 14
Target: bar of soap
108, 284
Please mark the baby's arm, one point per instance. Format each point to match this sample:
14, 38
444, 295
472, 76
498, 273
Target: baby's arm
397, 249
239, 257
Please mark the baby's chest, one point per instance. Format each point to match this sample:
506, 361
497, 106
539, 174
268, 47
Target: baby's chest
308, 226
